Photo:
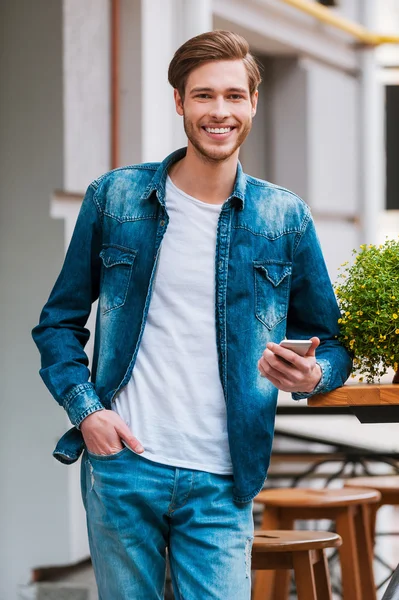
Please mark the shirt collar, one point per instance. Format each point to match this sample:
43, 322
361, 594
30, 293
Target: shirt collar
158, 182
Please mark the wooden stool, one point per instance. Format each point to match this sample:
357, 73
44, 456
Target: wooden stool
387, 485
302, 551
349, 509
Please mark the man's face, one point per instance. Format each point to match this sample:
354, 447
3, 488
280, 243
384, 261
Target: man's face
217, 108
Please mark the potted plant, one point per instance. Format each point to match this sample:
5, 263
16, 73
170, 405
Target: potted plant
368, 296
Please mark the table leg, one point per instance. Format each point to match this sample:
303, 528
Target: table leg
365, 553
345, 524
322, 576
304, 576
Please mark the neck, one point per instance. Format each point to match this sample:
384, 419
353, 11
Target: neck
206, 180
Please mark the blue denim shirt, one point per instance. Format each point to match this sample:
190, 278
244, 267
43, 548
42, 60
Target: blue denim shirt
270, 282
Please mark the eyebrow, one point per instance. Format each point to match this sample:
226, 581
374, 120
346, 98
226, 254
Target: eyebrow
196, 90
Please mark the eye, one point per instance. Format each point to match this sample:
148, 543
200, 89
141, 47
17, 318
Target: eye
202, 96
236, 96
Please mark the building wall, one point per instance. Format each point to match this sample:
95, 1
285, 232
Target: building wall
86, 75
54, 134
306, 138
33, 484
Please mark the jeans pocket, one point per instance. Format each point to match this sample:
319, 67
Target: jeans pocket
105, 457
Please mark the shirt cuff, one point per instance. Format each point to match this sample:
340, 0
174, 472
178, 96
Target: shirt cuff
322, 386
80, 402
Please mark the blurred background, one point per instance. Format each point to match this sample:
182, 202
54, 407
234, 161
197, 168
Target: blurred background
83, 89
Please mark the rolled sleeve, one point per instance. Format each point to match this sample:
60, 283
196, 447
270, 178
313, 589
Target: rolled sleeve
81, 402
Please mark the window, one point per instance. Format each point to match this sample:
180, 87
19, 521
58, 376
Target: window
392, 146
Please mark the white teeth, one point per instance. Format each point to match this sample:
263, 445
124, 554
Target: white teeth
218, 129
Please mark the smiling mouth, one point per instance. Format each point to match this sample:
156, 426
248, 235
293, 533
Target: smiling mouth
218, 130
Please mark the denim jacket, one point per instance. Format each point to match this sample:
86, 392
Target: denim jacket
270, 282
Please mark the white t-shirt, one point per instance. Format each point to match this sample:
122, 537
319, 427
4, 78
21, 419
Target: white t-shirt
174, 402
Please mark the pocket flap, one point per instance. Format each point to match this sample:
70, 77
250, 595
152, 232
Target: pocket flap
117, 255
275, 272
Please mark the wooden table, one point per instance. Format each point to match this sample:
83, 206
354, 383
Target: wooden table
371, 403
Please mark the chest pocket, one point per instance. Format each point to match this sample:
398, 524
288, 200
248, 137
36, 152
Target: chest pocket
272, 289
116, 273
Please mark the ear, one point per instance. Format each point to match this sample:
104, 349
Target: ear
254, 102
178, 102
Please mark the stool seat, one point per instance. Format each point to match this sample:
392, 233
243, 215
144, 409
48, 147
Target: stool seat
294, 541
302, 551
315, 498
349, 508
385, 483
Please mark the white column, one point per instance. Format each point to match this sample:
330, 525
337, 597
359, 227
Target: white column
372, 150
157, 49
192, 17
86, 101
86, 91
196, 18
165, 25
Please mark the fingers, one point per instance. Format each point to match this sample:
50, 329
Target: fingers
281, 365
284, 353
285, 369
312, 350
127, 436
103, 432
275, 377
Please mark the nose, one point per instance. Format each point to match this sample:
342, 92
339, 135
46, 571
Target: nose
219, 109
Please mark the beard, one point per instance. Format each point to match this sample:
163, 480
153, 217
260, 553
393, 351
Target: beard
214, 153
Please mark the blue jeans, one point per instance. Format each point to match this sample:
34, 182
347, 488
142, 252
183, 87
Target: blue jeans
137, 508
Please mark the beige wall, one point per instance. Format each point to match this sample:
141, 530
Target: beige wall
31, 249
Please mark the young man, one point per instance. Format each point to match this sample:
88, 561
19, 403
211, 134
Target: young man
200, 271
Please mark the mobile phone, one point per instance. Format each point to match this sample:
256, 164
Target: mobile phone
299, 346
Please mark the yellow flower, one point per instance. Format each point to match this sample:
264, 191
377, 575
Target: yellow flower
393, 297
371, 339
339, 320
347, 313
361, 378
378, 312
363, 286
396, 331
392, 357
394, 316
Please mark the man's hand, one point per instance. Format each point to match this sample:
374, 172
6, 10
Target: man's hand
103, 432
288, 371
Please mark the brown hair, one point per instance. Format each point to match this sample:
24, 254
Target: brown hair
209, 46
